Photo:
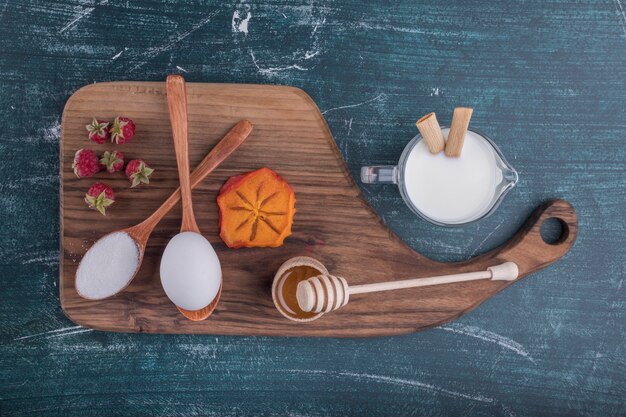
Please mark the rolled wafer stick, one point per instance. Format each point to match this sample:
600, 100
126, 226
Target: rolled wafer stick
458, 129
431, 132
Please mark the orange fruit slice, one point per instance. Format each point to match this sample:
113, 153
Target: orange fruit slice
256, 209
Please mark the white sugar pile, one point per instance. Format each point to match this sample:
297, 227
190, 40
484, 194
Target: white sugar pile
107, 267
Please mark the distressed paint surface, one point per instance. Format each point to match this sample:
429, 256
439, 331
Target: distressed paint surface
547, 80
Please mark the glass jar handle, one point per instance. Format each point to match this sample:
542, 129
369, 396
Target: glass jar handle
379, 174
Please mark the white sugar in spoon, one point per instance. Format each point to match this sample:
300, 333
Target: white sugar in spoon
325, 293
112, 262
191, 273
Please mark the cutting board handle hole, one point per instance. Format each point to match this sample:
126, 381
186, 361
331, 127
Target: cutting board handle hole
554, 231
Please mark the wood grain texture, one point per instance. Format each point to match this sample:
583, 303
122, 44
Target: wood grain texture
334, 224
546, 80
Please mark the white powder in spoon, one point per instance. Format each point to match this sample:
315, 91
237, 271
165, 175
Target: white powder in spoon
107, 267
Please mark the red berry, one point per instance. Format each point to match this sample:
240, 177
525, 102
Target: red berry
99, 197
86, 163
98, 130
122, 130
138, 172
112, 161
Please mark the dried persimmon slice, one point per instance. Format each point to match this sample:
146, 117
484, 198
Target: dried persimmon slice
256, 209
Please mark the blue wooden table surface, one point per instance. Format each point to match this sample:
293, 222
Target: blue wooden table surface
547, 80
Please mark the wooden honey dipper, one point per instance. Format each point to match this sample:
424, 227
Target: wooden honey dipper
324, 293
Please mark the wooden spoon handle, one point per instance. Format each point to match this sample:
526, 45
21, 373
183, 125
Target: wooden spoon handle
177, 104
226, 146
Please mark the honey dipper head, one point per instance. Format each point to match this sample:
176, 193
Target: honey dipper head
285, 285
305, 294
322, 293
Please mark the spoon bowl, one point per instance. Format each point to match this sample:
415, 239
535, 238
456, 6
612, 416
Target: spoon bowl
191, 273
97, 277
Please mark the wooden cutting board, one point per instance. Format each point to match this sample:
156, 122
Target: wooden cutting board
333, 223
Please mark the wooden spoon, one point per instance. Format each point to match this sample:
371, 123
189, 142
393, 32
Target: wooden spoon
140, 233
189, 266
